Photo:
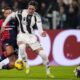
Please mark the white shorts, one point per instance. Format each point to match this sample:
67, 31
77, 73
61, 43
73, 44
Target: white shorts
29, 39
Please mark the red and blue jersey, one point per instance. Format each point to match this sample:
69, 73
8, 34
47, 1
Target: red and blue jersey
5, 34
10, 30
8, 37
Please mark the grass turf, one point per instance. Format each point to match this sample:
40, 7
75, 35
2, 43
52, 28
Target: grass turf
38, 73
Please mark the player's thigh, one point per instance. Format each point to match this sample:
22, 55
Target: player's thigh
35, 46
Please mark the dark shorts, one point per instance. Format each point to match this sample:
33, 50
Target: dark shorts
11, 42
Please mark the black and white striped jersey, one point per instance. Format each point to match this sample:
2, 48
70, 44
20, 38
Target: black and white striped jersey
25, 21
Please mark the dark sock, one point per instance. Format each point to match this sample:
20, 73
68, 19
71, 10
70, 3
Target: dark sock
7, 66
2, 57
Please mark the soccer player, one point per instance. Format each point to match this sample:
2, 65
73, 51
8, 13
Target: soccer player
77, 71
27, 18
8, 39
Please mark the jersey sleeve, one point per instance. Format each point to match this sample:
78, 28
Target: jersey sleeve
39, 23
11, 16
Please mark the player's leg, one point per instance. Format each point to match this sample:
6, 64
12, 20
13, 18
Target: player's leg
38, 49
10, 64
23, 55
44, 57
9, 50
4, 62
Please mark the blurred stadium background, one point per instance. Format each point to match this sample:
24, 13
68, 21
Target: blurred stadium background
57, 16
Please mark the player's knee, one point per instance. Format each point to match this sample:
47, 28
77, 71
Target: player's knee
43, 55
22, 46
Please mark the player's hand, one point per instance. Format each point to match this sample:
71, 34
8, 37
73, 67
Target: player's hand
43, 34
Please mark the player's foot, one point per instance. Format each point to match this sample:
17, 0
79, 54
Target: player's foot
48, 72
27, 70
50, 76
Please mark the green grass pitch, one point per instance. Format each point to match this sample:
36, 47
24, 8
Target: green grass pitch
38, 73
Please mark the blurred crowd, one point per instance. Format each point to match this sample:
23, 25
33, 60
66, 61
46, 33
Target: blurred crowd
56, 14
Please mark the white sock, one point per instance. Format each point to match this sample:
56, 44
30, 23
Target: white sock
19, 54
45, 60
4, 62
23, 54
25, 59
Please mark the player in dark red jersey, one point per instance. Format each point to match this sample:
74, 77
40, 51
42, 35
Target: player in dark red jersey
8, 39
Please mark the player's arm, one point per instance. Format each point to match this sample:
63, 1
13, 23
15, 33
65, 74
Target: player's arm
39, 26
11, 16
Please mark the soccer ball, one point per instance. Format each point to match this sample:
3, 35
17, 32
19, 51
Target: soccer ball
19, 64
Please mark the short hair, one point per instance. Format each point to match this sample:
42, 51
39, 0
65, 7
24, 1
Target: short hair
6, 8
33, 3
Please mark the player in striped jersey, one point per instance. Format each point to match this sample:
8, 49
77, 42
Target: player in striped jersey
27, 18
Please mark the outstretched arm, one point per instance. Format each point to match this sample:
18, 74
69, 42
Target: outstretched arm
12, 15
